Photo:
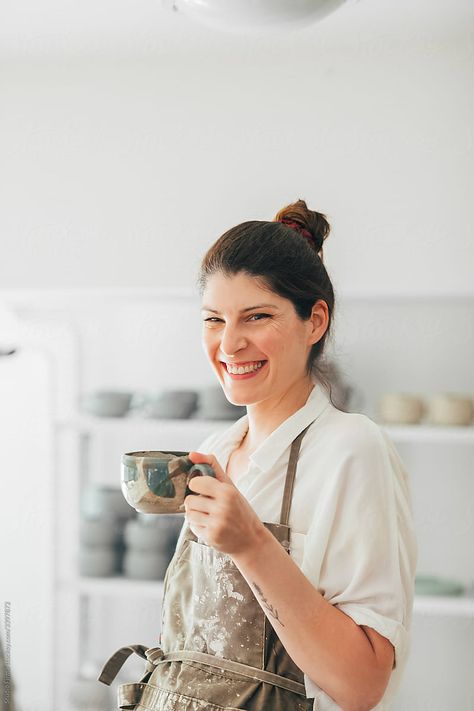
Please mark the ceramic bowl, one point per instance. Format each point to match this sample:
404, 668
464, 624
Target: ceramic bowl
167, 404
142, 537
450, 409
220, 413
145, 565
432, 585
98, 532
98, 561
213, 397
400, 408
171, 522
101, 501
169, 409
106, 403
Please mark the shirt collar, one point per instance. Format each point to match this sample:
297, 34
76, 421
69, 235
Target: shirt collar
280, 439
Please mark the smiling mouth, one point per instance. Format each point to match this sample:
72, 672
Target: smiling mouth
243, 368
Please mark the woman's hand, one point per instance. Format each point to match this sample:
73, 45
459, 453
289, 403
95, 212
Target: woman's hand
221, 516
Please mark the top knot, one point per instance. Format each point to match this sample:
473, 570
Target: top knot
296, 226
309, 223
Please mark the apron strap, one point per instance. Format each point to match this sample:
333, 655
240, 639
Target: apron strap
157, 656
117, 660
290, 477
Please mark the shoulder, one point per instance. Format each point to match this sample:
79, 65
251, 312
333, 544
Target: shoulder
345, 433
350, 449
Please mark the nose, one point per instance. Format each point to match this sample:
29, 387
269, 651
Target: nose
232, 340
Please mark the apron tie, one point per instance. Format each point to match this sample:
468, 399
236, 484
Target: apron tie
113, 665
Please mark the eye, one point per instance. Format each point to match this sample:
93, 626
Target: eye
254, 317
259, 316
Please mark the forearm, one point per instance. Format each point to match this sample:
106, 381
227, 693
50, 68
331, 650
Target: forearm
323, 641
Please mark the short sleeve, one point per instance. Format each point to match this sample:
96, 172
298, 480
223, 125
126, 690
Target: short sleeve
368, 563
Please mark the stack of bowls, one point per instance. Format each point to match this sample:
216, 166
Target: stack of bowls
103, 514
167, 404
150, 542
98, 553
213, 405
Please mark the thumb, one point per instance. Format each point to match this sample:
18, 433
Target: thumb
200, 458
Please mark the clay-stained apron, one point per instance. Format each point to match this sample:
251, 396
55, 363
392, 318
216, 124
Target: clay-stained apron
217, 649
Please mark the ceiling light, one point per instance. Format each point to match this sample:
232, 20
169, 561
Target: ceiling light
235, 15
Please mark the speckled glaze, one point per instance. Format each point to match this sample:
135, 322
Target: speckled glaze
157, 482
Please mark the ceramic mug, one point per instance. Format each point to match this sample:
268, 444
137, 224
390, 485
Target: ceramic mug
157, 482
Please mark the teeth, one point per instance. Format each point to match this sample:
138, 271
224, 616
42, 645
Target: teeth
241, 369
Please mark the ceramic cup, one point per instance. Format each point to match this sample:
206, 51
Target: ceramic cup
157, 482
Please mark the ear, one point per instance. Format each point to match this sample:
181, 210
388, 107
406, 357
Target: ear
319, 321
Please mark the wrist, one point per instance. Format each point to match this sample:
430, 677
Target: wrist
258, 542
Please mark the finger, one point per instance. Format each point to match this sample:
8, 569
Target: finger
204, 485
198, 519
197, 503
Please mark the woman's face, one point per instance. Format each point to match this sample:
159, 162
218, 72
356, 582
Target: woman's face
254, 339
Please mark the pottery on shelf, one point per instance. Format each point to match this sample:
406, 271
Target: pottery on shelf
450, 409
400, 408
106, 403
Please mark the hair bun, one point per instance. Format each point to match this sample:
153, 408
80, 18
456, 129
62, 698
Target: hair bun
311, 224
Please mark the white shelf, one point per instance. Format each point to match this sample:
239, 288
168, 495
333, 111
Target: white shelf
103, 425
65, 298
440, 605
436, 605
399, 433
116, 586
430, 433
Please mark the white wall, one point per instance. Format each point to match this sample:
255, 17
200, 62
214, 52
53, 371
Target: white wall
27, 525
120, 170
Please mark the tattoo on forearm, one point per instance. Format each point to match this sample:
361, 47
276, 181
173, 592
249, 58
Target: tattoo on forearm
273, 612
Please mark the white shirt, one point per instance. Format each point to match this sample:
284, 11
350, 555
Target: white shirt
352, 531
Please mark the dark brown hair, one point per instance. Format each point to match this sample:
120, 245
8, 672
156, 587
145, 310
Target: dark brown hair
283, 259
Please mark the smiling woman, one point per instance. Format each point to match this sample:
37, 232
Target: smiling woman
293, 575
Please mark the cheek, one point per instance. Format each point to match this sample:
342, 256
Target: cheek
209, 342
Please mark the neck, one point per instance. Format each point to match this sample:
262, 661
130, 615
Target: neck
264, 417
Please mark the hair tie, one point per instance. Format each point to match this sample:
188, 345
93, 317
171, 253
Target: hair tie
302, 230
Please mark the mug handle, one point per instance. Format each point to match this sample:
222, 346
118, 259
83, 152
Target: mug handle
198, 469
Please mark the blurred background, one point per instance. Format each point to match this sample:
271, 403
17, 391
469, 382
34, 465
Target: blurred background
132, 135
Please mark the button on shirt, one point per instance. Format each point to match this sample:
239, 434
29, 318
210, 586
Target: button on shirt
352, 531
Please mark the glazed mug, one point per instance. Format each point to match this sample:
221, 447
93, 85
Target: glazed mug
157, 482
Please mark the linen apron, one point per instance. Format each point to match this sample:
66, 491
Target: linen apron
218, 650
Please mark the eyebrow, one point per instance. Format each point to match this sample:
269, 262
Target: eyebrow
249, 308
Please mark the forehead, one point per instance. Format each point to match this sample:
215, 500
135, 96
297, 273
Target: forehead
238, 291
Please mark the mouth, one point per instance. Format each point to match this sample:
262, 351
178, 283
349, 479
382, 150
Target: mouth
243, 371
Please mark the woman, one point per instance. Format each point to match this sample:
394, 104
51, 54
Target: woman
292, 582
